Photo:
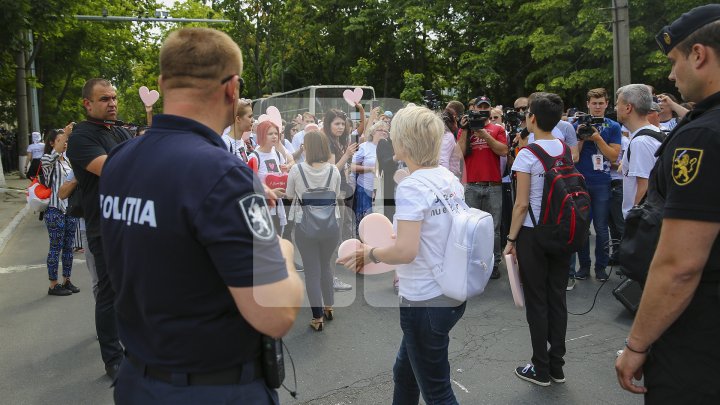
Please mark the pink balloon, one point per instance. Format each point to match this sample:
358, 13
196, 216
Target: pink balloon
148, 97
515, 283
348, 247
353, 97
272, 114
376, 230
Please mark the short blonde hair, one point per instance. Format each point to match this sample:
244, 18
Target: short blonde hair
192, 55
376, 126
418, 132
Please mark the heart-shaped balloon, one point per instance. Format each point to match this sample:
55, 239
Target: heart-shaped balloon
253, 163
376, 231
400, 175
353, 97
148, 97
272, 114
277, 180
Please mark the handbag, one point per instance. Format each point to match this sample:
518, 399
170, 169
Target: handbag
38, 194
318, 209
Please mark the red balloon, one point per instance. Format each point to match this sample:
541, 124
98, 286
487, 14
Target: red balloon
253, 163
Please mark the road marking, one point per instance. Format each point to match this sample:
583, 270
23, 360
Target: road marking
461, 386
569, 340
26, 267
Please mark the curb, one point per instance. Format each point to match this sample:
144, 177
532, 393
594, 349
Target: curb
8, 231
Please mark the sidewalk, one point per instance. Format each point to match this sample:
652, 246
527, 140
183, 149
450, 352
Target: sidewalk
13, 206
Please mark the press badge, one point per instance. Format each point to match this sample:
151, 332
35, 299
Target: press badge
598, 162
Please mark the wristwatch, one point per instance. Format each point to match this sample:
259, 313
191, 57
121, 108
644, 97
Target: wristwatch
372, 256
509, 239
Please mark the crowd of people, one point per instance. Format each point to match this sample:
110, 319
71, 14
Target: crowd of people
263, 188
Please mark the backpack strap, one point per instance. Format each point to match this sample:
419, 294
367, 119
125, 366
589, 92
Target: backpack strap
304, 179
658, 136
327, 183
548, 162
440, 196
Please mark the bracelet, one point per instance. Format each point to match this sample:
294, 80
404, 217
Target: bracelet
627, 345
372, 256
510, 239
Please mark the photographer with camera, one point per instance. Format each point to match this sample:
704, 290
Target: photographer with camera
599, 144
482, 143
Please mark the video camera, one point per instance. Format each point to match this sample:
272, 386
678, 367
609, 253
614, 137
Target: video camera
431, 100
477, 119
585, 124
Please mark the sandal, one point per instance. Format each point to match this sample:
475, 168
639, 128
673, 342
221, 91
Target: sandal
329, 313
317, 324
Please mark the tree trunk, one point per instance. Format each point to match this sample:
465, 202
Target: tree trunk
22, 111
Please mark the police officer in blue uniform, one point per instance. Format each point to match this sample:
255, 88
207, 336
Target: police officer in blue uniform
674, 339
199, 272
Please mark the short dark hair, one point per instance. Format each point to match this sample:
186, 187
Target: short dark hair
457, 107
547, 109
89, 86
708, 35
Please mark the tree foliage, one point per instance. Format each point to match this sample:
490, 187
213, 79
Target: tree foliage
501, 48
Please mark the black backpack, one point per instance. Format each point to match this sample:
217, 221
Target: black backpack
318, 208
564, 223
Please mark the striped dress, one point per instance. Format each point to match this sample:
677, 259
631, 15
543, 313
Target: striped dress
55, 171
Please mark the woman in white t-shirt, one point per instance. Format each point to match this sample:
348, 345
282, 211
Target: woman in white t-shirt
272, 159
363, 164
422, 226
544, 275
34, 152
233, 137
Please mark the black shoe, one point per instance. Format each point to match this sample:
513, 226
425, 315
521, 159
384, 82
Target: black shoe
528, 373
59, 291
111, 370
299, 267
495, 274
71, 287
557, 376
582, 274
601, 275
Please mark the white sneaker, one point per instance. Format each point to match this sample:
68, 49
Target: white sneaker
338, 285
570, 284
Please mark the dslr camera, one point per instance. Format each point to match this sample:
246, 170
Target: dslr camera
585, 124
431, 100
477, 119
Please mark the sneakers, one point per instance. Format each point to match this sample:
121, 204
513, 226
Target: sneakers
601, 275
338, 285
557, 376
528, 373
582, 274
570, 284
59, 291
70, 287
495, 273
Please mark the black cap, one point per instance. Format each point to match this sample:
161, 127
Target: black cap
673, 34
483, 100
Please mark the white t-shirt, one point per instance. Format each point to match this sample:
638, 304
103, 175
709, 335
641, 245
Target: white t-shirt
415, 202
297, 141
37, 150
289, 146
614, 174
527, 162
366, 156
668, 125
563, 131
268, 164
642, 161
448, 156
235, 146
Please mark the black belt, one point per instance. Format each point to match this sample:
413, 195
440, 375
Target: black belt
242, 374
616, 182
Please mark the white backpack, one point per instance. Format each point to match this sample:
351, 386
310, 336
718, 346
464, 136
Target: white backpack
468, 260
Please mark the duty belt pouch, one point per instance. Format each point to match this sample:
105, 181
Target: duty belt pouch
272, 362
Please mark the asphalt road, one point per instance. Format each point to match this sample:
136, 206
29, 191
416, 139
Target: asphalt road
50, 355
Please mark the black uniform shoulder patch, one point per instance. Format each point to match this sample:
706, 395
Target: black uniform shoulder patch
257, 216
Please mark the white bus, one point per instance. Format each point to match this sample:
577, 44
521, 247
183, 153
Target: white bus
316, 100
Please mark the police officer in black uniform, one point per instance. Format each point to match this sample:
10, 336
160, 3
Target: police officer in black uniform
196, 264
674, 340
88, 147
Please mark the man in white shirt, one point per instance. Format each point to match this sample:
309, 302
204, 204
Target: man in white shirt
633, 104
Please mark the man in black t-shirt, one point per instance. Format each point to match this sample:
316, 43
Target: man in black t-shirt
674, 339
88, 147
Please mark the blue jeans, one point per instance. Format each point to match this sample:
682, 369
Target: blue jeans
362, 203
599, 211
488, 199
422, 364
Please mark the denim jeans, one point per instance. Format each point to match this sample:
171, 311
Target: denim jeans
599, 211
422, 365
617, 222
488, 199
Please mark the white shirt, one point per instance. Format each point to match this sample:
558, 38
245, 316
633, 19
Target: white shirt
366, 156
37, 150
668, 125
415, 202
642, 161
269, 164
235, 146
448, 157
527, 162
563, 131
624, 142
297, 141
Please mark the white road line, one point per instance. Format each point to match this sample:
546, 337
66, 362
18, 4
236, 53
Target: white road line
461, 386
26, 267
569, 340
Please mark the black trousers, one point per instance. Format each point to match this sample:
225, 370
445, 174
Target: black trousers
544, 279
507, 207
682, 367
105, 316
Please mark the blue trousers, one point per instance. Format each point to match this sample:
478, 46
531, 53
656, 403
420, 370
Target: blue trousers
132, 388
600, 211
422, 365
61, 230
